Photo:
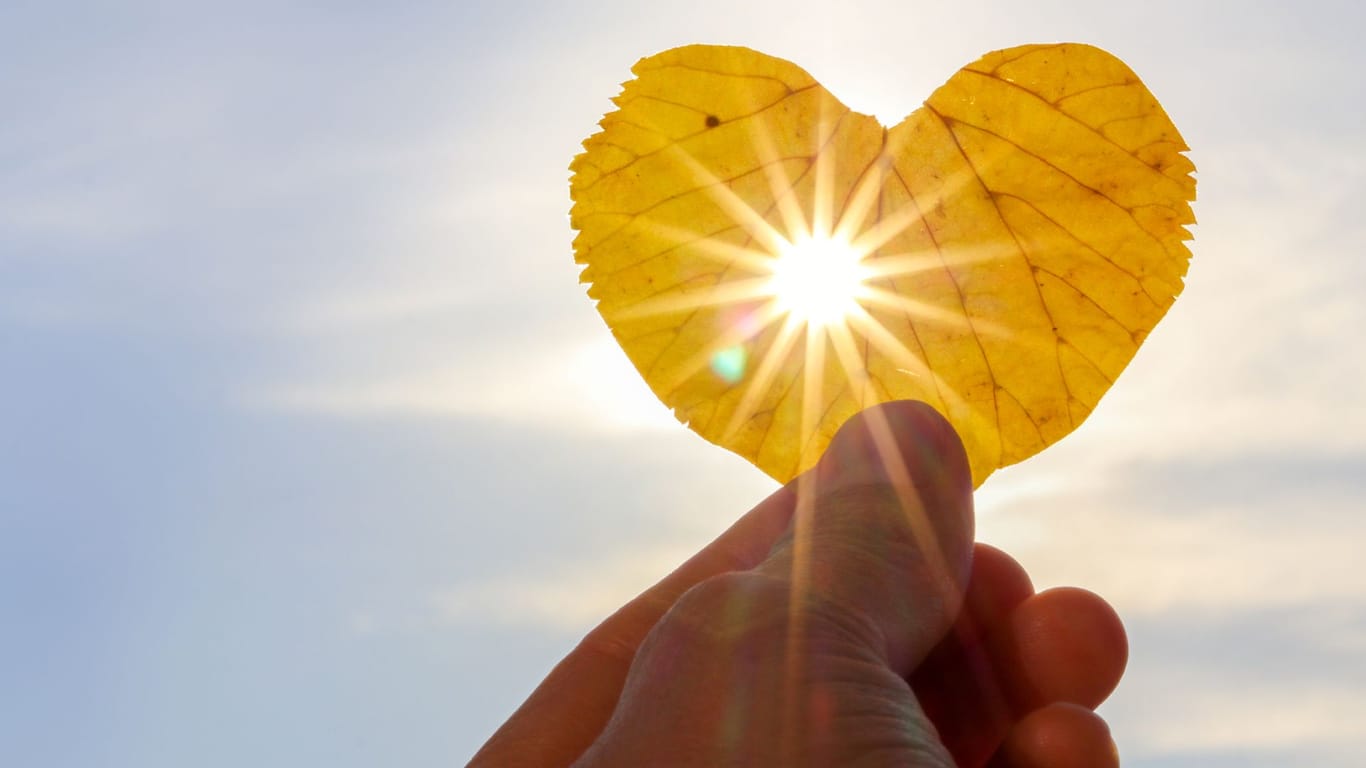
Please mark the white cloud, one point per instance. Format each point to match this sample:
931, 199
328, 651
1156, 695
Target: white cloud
1213, 716
1153, 543
1217, 561
1238, 581
573, 597
587, 385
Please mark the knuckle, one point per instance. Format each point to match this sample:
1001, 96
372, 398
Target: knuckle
739, 607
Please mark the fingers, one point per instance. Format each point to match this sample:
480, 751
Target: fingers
891, 564
959, 685
882, 532
1060, 735
997, 586
1069, 646
1011, 653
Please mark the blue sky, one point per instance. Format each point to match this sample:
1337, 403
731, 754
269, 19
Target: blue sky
312, 448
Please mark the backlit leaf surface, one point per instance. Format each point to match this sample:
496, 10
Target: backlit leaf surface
1014, 241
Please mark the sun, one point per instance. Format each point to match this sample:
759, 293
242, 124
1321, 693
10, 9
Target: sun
818, 280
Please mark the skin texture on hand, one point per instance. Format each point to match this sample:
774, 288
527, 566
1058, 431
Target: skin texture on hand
846, 620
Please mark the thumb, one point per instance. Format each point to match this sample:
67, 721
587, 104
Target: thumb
881, 539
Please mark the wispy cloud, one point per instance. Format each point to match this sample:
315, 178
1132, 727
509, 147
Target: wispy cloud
587, 386
1236, 577
571, 598
1211, 717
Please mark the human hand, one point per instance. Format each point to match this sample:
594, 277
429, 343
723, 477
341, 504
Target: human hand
848, 619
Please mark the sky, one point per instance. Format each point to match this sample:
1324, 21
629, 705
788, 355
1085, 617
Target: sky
314, 451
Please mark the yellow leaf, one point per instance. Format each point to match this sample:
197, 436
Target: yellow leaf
773, 262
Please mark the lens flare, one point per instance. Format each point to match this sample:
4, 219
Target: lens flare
729, 363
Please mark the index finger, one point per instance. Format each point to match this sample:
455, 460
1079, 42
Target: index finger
568, 710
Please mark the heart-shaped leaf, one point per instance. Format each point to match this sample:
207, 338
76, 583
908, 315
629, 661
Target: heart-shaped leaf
773, 263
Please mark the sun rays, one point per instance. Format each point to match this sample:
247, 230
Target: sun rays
773, 262
806, 278
808, 288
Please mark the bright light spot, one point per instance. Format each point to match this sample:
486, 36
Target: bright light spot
819, 280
